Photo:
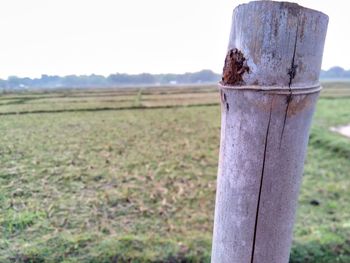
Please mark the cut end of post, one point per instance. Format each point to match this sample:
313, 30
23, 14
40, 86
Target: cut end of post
284, 48
283, 4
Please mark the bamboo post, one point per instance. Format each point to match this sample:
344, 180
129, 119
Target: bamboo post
268, 92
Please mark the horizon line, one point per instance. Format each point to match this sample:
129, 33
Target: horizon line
124, 73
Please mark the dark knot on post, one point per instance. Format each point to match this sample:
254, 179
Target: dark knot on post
234, 68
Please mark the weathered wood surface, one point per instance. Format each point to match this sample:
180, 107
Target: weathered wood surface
269, 91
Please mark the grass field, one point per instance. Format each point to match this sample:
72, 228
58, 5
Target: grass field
108, 175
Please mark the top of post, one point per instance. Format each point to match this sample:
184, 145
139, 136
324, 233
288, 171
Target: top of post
277, 44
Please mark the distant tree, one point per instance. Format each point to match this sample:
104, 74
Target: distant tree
335, 72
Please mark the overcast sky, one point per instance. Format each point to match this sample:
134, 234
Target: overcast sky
61, 37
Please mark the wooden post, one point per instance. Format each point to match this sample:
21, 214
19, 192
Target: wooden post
268, 92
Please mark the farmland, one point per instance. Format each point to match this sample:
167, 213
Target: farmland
128, 175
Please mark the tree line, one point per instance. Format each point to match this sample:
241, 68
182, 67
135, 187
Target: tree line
335, 73
119, 79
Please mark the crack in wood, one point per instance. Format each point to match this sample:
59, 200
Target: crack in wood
291, 72
289, 99
261, 182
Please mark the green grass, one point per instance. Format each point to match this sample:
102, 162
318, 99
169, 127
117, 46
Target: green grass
138, 185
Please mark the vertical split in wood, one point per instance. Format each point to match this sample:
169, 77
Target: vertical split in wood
268, 92
261, 182
291, 73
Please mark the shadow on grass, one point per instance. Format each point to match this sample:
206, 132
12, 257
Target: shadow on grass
314, 252
339, 145
157, 250
17, 101
108, 109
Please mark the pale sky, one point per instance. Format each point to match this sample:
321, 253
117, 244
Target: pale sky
62, 37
